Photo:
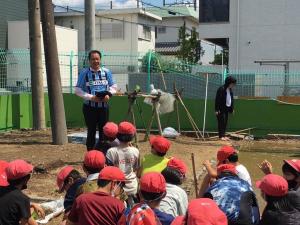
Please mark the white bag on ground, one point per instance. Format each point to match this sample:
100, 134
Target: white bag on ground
170, 132
56, 207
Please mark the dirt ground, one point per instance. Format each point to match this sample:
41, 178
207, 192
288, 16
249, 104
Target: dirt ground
36, 147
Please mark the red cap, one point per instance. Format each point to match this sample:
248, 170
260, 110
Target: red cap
126, 128
62, 175
160, 144
3, 177
153, 182
17, 169
94, 159
204, 211
295, 163
273, 185
226, 168
178, 165
110, 129
224, 153
142, 214
111, 173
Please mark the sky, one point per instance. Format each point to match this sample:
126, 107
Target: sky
79, 4
105, 3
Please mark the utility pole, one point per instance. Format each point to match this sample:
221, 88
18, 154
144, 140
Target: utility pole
56, 103
89, 23
37, 87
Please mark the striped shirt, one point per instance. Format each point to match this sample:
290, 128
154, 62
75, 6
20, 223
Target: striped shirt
90, 82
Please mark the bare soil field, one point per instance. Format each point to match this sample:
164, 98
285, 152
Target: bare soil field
36, 147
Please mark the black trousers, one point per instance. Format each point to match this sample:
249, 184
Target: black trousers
94, 117
222, 118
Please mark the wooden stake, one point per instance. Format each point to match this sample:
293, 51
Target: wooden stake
178, 116
130, 112
193, 123
162, 75
149, 126
240, 131
195, 175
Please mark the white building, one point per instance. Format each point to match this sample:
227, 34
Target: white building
117, 30
253, 30
18, 60
11, 10
167, 30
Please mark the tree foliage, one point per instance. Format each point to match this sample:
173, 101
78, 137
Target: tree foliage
218, 58
190, 48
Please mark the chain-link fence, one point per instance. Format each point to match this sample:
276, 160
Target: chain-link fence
145, 69
267, 84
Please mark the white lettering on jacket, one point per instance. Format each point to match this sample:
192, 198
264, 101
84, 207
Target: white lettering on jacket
96, 83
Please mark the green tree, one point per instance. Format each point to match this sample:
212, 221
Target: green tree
184, 43
218, 58
190, 48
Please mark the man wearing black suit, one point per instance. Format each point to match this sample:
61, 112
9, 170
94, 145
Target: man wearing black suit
224, 105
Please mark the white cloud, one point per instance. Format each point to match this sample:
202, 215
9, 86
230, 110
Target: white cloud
80, 3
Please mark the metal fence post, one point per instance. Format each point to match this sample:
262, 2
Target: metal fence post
149, 71
224, 74
71, 71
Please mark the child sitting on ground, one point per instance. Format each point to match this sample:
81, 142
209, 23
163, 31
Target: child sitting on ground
152, 191
94, 162
68, 180
156, 161
14, 204
176, 200
126, 157
225, 155
279, 209
110, 131
291, 173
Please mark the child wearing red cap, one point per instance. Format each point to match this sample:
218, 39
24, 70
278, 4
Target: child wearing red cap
126, 157
279, 208
152, 191
202, 211
94, 162
176, 200
234, 196
156, 161
110, 131
225, 155
69, 180
291, 172
14, 204
102, 206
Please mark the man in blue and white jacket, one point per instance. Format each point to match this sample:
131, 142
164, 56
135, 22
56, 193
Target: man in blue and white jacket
91, 82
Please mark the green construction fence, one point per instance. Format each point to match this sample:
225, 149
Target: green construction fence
267, 116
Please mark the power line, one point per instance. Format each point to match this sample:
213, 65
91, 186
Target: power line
125, 21
172, 12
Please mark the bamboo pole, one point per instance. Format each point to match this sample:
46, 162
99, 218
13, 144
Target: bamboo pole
195, 175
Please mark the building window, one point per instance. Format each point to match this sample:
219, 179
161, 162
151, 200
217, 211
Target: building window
214, 11
111, 31
145, 32
161, 30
